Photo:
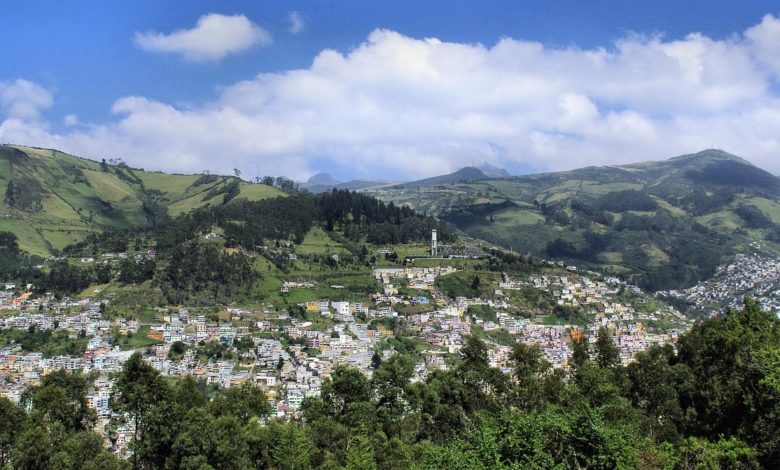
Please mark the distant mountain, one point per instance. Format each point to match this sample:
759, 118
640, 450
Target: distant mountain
356, 185
466, 174
322, 182
664, 223
322, 179
51, 199
493, 171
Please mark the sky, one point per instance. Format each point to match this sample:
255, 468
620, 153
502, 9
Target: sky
390, 90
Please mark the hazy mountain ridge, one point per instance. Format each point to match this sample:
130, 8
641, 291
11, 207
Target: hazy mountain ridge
322, 182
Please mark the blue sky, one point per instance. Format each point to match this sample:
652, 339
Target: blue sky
79, 75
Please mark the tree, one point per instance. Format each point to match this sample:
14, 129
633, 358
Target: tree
12, 419
237, 172
579, 353
360, 454
376, 360
83, 450
292, 449
529, 366
391, 382
33, 449
346, 387
189, 394
243, 402
607, 354
206, 441
482, 384
657, 387
137, 388
736, 387
61, 398
475, 284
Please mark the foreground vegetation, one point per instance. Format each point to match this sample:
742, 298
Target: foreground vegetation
713, 403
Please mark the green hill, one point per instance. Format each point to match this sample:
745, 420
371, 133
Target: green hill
51, 199
666, 223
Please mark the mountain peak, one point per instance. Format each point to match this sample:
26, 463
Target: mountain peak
493, 171
470, 173
322, 179
708, 155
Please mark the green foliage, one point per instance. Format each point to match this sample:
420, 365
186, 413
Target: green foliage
607, 354
25, 194
64, 278
12, 418
467, 284
49, 343
627, 200
360, 216
753, 216
56, 432
203, 272
132, 271
62, 399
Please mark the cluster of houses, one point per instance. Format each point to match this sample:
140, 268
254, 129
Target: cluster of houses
414, 278
753, 275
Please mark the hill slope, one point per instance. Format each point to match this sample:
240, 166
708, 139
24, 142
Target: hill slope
51, 199
666, 223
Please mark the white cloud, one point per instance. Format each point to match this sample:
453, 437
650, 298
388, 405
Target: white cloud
765, 37
213, 37
22, 99
70, 120
410, 108
297, 23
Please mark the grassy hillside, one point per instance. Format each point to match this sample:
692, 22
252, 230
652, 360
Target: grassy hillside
666, 223
51, 199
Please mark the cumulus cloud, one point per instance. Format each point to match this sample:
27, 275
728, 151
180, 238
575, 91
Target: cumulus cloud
70, 120
297, 23
213, 38
404, 107
22, 99
766, 39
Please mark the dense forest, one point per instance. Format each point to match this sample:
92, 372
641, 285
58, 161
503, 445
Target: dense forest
713, 402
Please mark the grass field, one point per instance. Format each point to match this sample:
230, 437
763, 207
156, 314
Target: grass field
725, 219
317, 242
517, 217
137, 340
770, 208
469, 284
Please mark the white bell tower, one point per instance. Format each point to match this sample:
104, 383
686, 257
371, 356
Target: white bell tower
434, 246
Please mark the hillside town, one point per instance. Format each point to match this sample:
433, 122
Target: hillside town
753, 275
289, 352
